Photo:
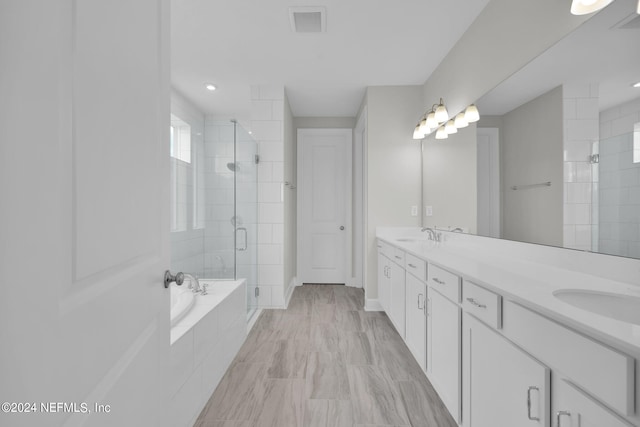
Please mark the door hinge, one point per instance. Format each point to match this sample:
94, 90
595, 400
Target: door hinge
256, 292
257, 157
594, 158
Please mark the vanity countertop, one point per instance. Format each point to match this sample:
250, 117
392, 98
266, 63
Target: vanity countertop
526, 282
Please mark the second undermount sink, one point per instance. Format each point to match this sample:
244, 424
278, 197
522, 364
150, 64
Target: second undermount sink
625, 308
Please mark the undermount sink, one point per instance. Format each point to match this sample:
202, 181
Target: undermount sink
621, 307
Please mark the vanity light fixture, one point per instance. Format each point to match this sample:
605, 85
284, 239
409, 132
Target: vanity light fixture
441, 133
471, 114
584, 7
423, 128
417, 134
460, 122
450, 127
432, 123
210, 86
441, 113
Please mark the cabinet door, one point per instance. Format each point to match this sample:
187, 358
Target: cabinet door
506, 386
416, 328
383, 281
574, 409
445, 361
397, 298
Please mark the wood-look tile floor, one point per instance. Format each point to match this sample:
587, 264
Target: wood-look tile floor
324, 362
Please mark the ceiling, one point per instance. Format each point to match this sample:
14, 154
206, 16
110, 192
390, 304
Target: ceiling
599, 51
238, 43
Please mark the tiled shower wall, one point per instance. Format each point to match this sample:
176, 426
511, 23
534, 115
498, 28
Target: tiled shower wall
267, 117
619, 181
219, 242
581, 132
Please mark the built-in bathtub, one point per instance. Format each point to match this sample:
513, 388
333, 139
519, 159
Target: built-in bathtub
205, 337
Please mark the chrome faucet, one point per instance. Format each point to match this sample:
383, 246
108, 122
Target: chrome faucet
193, 280
457, 230
430, 232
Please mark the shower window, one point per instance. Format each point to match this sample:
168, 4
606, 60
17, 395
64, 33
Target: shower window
180, 139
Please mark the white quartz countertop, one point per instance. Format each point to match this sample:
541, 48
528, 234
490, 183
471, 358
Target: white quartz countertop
528, 283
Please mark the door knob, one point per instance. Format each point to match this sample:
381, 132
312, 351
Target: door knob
342, 227
168, 278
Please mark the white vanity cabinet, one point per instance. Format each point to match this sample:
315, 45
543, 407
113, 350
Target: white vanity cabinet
384, 276
416, 321
444, 338
573, 408
397, 293
503, 385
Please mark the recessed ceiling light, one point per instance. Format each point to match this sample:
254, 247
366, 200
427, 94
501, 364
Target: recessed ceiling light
210, 86
636, 84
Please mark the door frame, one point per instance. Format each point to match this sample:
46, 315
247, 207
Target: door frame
495, 202
300, 226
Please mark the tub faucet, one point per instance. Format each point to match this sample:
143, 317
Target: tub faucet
430, 233
194, 283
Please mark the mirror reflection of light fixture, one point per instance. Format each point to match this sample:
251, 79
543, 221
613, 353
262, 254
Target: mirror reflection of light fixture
471, 114
432, 123
460, 121
441, 113
424, 129
416, 133
583, 7
441, 133
450, 128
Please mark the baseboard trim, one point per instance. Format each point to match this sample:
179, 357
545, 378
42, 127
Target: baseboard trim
372, 305
292, 284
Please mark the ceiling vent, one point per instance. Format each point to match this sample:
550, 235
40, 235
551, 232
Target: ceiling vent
308, 19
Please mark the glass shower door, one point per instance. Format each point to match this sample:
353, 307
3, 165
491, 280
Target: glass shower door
246, 214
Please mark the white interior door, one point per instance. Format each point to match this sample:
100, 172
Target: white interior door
324, 216
84, 117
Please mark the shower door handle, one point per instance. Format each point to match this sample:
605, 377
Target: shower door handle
245, 238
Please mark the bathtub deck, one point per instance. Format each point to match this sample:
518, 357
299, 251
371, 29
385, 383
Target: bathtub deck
324, 362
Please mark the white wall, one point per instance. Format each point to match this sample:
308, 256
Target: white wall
393, 167
532, 153
187, 244
502, 39
290, 201
323, 123
450, 180
619, 183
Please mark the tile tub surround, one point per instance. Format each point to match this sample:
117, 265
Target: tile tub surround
528, 274
324, 361
203, 344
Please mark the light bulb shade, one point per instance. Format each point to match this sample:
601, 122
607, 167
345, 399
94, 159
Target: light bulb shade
460, 121
450, 128
441, 114
583, 7
432, 123
417, 134
471, 114
638, 9
441, 133
424, 129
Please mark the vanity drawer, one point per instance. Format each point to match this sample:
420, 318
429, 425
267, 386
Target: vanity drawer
600, 370
416, 266
398, 257
386, 249
448, 284
483, 304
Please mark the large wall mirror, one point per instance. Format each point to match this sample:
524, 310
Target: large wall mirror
555, 158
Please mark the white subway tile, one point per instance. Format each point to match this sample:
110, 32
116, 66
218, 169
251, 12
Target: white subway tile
278, 233
277, 110
576, 90
277, 297
271, 213
264, 300
577, 151
261, 110
255, 92
583, 235
575, 213
587, 108
278, 172
265, 171
570, 109
624, 124
581, 130
271, 275
269, 192
569, 235
579, 192
271, 151
265, 233
270, 254
267, 130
